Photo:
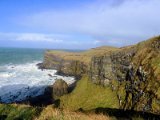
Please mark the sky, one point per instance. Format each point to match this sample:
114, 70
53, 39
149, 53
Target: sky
77, 24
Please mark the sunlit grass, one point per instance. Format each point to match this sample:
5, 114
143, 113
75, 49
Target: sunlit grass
50, 113
89, 96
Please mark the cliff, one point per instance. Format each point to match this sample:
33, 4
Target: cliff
136, 70
131, 74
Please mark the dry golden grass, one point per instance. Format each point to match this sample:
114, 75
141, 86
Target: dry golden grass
50, 113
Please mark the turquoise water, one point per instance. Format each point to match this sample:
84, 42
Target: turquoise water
23, 55
20, 55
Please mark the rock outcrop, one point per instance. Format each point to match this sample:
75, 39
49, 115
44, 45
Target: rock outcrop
112, 66
60, 87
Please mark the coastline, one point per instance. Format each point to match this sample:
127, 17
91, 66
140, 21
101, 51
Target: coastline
25, 90
47, 97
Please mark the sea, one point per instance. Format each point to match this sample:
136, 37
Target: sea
20, 77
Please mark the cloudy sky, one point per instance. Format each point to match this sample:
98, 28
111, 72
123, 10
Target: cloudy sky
77, 24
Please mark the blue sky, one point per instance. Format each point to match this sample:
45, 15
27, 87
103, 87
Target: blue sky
77, 24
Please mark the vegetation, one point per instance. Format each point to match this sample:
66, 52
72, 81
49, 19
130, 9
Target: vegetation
17, 112
26, 112
84, 57
50, 113
89, 96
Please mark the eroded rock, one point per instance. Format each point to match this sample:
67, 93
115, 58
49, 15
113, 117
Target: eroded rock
60, 87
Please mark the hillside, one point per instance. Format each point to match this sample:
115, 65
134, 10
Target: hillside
87, 96
124, 78
137, 71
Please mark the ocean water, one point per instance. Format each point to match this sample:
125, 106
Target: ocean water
20, 78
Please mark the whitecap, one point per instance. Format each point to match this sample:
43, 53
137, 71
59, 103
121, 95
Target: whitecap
6, 75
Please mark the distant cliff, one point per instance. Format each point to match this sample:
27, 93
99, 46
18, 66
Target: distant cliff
72, 63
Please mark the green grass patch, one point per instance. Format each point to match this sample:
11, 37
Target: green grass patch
89, 96
18, 112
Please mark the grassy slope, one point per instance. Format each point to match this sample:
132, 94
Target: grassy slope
82, 56
89, 96
149, 57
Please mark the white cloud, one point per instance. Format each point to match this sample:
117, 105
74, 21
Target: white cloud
96, 42
128, 22
30, 37
59, 41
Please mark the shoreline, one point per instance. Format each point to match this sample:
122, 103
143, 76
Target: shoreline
27, 93
46, 98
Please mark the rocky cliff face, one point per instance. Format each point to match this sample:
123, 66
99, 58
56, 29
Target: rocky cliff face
137, 71
72, 63
112, 66
64, 67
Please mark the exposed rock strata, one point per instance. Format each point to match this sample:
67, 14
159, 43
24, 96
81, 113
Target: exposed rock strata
111, 66
64, 67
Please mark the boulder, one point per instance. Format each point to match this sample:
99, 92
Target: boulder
60, 87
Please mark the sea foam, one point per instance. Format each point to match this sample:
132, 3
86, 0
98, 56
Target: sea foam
18, 82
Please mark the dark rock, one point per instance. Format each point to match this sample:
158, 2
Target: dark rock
50, 75
40, 100
40, 66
